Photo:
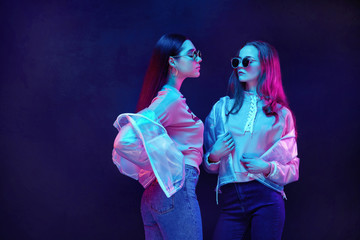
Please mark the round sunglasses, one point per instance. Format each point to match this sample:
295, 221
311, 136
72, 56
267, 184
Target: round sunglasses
235, 62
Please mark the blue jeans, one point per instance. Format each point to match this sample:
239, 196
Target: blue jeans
250, 211
177, 217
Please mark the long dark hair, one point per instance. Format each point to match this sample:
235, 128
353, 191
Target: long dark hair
157, 72
269, 82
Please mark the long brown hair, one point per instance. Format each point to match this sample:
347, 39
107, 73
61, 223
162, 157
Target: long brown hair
157, 72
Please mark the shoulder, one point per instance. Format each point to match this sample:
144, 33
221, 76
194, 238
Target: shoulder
221, 102
285, 113
217, 109
169, 94
168, 97
224, 99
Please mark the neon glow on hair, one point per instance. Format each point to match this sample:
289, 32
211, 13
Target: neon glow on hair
157, 73
269, 86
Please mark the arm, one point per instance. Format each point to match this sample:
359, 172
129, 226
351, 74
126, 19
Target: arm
279, 163
284, 173
222, 147
282, 156
217, 142
143, 149
209, 140
128, 143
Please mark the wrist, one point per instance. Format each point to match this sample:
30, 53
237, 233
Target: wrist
267, 170
213, 159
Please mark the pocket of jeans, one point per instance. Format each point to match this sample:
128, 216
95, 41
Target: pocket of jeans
191, 179
191, 174
162, 204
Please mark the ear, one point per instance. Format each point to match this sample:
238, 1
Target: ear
172, 61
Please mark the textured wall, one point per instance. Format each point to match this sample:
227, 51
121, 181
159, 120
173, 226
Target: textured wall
68, 68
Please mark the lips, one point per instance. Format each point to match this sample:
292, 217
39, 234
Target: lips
241, 73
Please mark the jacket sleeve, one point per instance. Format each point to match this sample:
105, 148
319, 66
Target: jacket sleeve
128, 144
210, 138
143, 149
283, 156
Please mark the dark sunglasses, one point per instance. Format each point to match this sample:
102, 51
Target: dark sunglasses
235, 62
194, 55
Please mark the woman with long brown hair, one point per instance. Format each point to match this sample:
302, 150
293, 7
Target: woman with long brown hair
250, 140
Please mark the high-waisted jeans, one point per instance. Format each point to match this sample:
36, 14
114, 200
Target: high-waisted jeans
177, 217
250, 211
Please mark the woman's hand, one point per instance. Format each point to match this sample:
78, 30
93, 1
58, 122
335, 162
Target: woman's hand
255, 165
222, 147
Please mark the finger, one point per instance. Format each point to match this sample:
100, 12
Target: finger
245, 160
226, 137
250, 168
249, 155
230, 140
232, 145
227, 145
223, 135
228, 149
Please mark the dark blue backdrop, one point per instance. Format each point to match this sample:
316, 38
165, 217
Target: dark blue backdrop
68, 68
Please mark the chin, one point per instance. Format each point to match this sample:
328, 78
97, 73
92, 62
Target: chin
195, 75
243, 79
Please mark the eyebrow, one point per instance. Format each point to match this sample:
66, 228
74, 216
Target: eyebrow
247, 57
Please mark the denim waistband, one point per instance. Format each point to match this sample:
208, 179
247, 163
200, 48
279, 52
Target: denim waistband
189, 167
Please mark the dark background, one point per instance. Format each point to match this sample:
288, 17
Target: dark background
68, 68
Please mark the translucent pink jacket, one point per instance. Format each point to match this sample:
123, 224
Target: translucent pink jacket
144, 151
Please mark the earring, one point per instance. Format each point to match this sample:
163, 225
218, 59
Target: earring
176, 72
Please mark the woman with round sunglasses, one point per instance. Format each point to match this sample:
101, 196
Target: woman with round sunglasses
162, 145
250, 142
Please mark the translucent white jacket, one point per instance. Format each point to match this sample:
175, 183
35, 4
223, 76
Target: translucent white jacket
257, 134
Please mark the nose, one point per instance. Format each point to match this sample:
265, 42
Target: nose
198, 59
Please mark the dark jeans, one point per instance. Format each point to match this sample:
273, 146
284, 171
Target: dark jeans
174, 218
250, 211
